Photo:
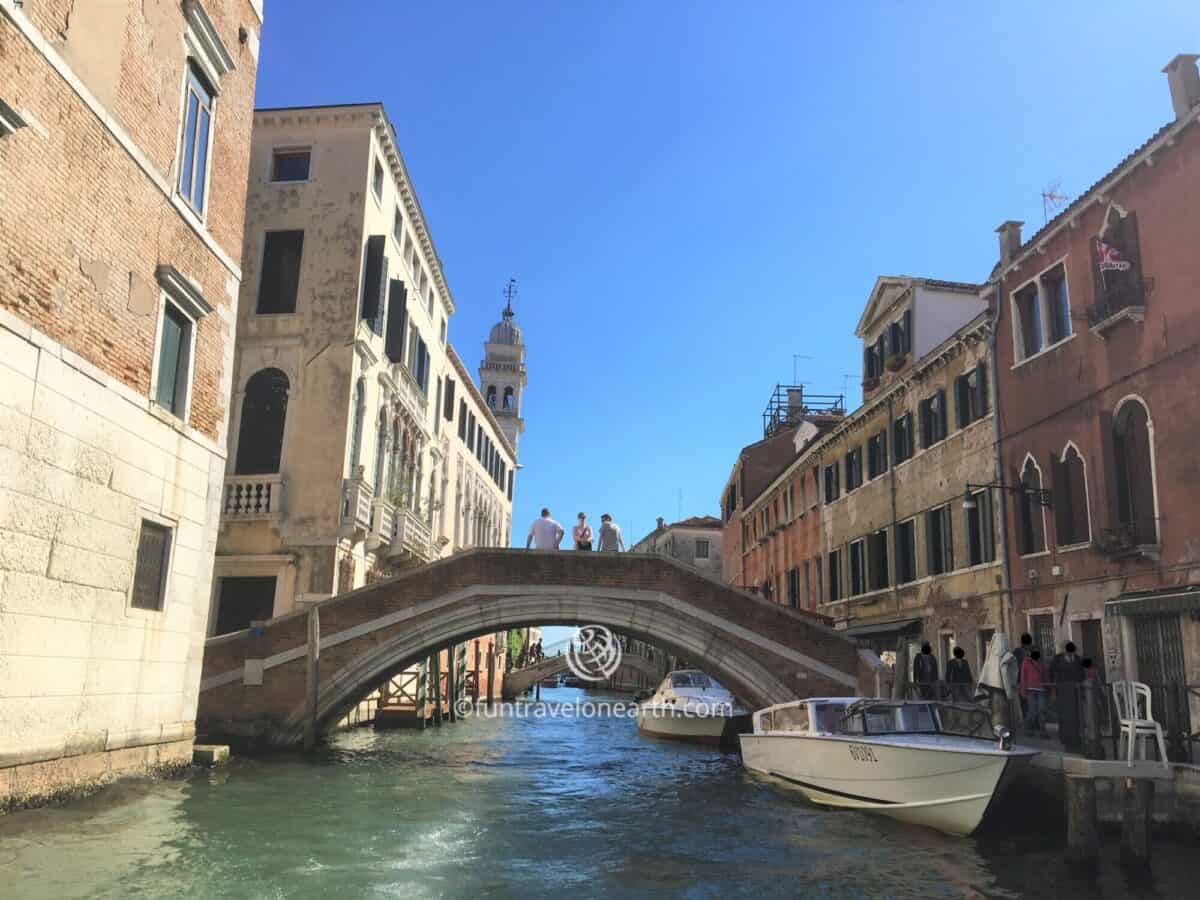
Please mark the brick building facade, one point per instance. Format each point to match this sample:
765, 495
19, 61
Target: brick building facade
1098, 350
123, 172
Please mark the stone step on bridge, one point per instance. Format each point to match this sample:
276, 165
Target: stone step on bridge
518, 681
287, 680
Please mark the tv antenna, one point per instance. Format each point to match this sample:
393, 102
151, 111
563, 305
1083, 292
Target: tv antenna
1053, 200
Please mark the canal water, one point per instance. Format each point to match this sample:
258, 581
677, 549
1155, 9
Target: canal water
533, 807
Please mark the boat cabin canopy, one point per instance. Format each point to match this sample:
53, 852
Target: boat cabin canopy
690, 679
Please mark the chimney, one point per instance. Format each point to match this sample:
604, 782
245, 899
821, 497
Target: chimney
1184, 82
661, 523
1010, 240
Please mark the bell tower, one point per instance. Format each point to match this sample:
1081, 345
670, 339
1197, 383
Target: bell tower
502, 373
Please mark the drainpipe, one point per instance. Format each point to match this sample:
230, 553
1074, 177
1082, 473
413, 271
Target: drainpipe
1006, 601
892, 483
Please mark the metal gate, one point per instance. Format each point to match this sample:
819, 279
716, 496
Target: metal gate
1158, 641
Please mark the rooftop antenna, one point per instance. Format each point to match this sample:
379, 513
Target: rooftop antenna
510, 291
1053, 200
795, 369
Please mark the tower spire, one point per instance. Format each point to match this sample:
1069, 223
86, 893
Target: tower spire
510, 291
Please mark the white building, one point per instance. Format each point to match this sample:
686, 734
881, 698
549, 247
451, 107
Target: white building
695, 541
359, 443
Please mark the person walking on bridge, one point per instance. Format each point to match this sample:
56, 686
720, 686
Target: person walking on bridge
610, 535
582, 534
544, 533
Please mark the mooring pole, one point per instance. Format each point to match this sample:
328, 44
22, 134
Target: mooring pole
452, 683
1135, 821
437, 687
1083, 835
491, 682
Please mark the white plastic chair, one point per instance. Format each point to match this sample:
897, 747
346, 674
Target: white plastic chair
1130, 697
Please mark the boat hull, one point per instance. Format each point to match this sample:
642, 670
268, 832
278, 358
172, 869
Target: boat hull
931, 785
700, 729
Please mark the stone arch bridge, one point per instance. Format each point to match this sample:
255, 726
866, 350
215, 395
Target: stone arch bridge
517, 681
288, 679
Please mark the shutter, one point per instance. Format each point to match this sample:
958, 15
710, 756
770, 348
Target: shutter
1108, 466
962, 401
448, 410
1060, 487
947, 539
908, 330
883, 450
868, 364
931, 543
987, 523
397, 321
981, 388
374, 283
942, 415
923, 413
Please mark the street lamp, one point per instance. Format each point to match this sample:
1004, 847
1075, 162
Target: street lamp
1040, 496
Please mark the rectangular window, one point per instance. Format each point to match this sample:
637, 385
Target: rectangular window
835, 575
375, 283
422, 372
981, 540
197, 124
793, 588
854, 469
174, 360
899, 332
377, 181
462, 420
831, 483
701, 549
397, 321
877, 454
939, 540
902, 438
510, 485
448, 408
437, 404
280, 283
290, 165
1058, 306
152, 566
858, 568
398, 226
1028, 319
906, 551
970, 396
933, 419
877, 560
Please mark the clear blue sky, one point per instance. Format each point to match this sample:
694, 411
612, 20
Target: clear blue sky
692, 193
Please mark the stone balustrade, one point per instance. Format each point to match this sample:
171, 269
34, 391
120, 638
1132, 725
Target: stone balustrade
253, 497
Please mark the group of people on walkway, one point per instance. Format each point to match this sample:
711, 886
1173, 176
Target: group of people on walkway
958, 674
1036, 680
547, 534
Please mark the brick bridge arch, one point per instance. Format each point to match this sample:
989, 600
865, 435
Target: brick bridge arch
296, 675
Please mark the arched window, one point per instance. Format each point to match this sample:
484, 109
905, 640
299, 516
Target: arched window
509, 398
491, 396
1072, 522
264, 411
1132, 458
356, 434
381, 454
1029, 511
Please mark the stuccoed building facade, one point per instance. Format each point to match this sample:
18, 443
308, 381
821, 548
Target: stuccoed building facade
695, 541
358, 443
123, 165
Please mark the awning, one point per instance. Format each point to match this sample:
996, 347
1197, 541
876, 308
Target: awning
895, 627
1163, 600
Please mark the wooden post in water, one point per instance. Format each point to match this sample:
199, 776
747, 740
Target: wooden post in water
491, 682
437, 687
475, 686
452, 684
1135, 822
422, 694
1083, 834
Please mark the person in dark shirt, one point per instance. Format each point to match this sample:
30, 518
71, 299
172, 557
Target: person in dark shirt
1066, 671
925, 672
958, 676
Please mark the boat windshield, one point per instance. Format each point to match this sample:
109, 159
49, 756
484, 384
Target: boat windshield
883, 717
689, 680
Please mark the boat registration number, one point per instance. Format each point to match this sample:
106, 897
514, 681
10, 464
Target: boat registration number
862, 753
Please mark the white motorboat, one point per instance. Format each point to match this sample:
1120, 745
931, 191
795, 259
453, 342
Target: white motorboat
934, 764
690, 706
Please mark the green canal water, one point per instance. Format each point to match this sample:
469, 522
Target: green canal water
536, 807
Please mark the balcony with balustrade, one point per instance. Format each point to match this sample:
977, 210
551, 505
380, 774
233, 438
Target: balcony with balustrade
412, 538
357, 497
249, 498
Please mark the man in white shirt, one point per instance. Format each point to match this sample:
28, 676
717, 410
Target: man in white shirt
544, 533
